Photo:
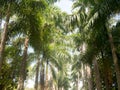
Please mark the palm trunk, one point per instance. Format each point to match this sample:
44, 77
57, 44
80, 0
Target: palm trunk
89, 77
51, 84
107, 79
97, 75
23, 66
105, 75
85, 77
46, 83
78, 81
37, 74
4, 37
115, 59
42, 86
82, 72
0, 18
105, 70
58, 88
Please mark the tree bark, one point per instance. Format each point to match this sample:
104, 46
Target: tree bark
42, 83
97, 75
89, 77
46, 82
4, 37
85, 77
0, 18
37, 74
78, 81
106, 67
23, 66
51, 83
105, 75
115, 59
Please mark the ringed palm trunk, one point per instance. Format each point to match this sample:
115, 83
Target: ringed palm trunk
97, 75
4, 37
23, 66
37, 74
115, 59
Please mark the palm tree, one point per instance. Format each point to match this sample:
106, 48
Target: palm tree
12, 55
89, 77
97, 75
42, 83
104, 16
37, 74
30, 34
23, 64
98, 15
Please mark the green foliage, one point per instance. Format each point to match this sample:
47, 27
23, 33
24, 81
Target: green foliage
66, 43
92, 17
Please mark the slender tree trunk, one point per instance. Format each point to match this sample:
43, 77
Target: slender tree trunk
2, 87
37, 74
97, 75
78, 81
115, 59
42, 83
46, 82
58, 88
23, 66
108, 79
106, 76
0, 18
4, 37
51, 83
105, 71
89, 77
85, 77
106, 82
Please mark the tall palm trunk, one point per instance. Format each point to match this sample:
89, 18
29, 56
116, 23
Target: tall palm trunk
105, 71
23, 66
4, 37
97, 75
37, 74
78, 81
89, 77
115, 59
0, 18
85, 77
51, 83
42, 84
105, 75
46, 82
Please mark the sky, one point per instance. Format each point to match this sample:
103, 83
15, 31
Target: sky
65, 5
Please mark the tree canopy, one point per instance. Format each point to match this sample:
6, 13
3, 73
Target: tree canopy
57, 50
